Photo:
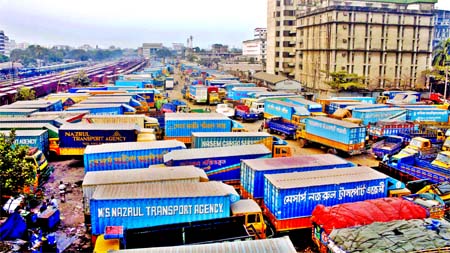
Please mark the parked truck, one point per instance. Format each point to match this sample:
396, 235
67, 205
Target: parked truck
180, 126
390, 145
435, 136
244, 113
160, 206
280, 126
103, 109
127, 155
422, 148
279, 147
220, 164
73, 138
198, 93
335, 135
213, 96
383, 128
288, 111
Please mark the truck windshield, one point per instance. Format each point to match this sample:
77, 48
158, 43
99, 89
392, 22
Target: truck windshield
447, 142
40, 158
443, 158
415, 143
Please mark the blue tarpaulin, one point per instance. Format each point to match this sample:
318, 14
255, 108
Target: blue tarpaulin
13, 228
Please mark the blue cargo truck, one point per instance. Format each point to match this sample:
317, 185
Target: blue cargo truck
220, 164
427, 115
31, 138
156, 208
15, 112
227, 139
128, 155
290, 198
73, 138
180, 126
253, 171
103, 109
41, 105
371, 116
288, 111
310, 105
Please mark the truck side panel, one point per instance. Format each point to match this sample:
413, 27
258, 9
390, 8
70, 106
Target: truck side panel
226, 141
81, 138
337, 132
185, 127
350, 148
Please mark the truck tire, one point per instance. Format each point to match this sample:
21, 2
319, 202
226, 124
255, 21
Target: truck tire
302, 143
283, 136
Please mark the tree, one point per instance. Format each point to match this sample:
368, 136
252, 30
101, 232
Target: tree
4, 58
163, 53
25, 93
15, 171
81, 79
441, 58
342, 80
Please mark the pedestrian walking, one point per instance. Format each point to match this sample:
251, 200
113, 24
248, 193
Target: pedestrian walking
62, 191
54, 202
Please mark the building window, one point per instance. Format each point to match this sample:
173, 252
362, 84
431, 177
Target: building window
277, 33
277, 23
288, 22
289, 13
277, 54
277, 44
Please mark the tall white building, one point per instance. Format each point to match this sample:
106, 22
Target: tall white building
2, 42
256, 48
149, 49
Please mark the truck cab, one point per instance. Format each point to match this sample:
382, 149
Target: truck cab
39, 161
420, 146
442, 160
254, 220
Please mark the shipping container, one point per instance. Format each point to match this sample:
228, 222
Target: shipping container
102, 109
187, 174
374, 115
81, 89
132, 83
53, 120
310, 105
128, 100
327, 102
221, 164
274, 245
68, 116
128, 155
340, 105
42, 105
336, 130
286, 110
427, 115
367, 100
226, 139
140, 119
140, 206
295, 195
31, 138
198, 93
366, 106
184, 124
15, 112
253, 171
237, 93
229, 86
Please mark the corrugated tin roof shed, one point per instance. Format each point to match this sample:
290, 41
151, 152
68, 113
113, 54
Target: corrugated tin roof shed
198, 153
294, 162
142, 175
170, 190
324, 177
270, 78
275, 245
127, 146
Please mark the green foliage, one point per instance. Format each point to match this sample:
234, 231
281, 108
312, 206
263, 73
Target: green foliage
30, 56
342, 80
25, 93
81, 79
163, 53
4, 58
440, 53
15, 170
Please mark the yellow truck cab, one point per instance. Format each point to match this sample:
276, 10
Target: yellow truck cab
39, 161
418, 144
442, 160
254, 220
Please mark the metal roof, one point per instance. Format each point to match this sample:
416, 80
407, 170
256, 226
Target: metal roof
230, 134
128, 146
335, 121
274, 245
270, 78
249, 89
245, 206
304, 101
95, 105
195, 116
169, 190
87, 126
198, 153
12, 109
294, 162
382, 109
324, 177
143, 175
59, 113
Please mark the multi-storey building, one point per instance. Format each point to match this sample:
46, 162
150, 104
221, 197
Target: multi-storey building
150, 49
257, 47
281, 37
387, 42
441, 26
2, 42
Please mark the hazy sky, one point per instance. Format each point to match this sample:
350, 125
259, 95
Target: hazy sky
129, 23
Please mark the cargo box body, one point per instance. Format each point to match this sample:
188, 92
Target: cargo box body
99, 109
52, 130
180, 174
336, 130
283, 109
31, 138
184, 124
15, 112
128, 155
221, 164
310, 105
374, 115
140, 206
80, 135
227, 139
295, 195
253, 171
427, 115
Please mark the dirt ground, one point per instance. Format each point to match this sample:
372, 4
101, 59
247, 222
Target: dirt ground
72, 234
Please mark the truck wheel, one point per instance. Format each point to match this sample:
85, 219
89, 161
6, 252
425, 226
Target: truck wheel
332, 151
302, 143
269, 130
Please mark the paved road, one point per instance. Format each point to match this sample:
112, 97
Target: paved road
364, 159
